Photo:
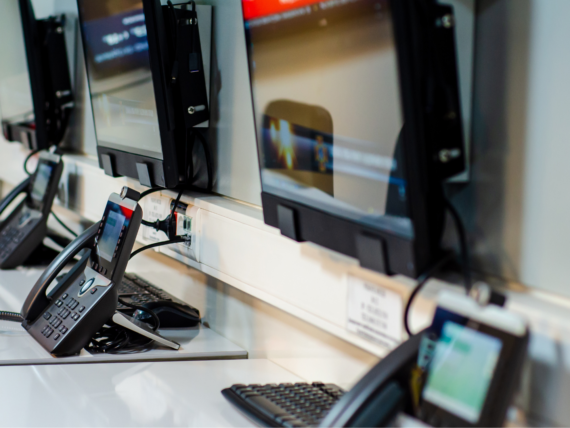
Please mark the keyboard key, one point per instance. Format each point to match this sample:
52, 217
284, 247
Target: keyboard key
265, 406
237, 387
47, 315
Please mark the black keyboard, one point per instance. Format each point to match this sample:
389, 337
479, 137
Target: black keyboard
172, 312
287, 404
137, 291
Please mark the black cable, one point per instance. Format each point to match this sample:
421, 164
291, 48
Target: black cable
172, 225
422, 280
460, 228
63, 224
11, 316
115, 339
148, 223
176, 240
168, 225
34, 152
150, 191
145, 310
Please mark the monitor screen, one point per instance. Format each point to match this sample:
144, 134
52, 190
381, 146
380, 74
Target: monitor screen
328, 112
120, 79
41, 181
461, 371
111, 234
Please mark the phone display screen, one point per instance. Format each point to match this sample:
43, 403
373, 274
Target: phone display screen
41, 181
328, 108
111, 234
461, 371
120, 78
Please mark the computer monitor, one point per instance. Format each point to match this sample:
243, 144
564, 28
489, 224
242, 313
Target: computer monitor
358, 121
50, 81
139, 125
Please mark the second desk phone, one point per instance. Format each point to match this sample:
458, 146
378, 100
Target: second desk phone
85, 299
26, 226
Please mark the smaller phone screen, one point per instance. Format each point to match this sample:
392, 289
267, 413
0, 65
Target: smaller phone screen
462, 369
41, 181
111, 233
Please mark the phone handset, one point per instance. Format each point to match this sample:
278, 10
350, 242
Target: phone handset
37, 301
378, 397
23, 187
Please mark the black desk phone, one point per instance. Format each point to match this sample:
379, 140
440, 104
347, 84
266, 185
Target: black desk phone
65, 320
462, 371
26, 226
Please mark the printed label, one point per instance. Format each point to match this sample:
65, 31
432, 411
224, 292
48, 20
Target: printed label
374, 312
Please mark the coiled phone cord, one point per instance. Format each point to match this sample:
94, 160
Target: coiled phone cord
114, 339
11, 316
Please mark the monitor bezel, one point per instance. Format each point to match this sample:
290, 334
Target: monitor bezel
35, 70
163, 173
400, 255
49, 76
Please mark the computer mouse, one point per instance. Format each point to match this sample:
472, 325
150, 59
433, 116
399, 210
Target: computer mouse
171, 314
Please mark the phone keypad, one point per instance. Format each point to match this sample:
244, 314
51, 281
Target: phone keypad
47, 331
72, 304
13, 234
64, 313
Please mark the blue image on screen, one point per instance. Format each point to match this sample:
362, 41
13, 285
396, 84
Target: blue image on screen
111, 233
118, 40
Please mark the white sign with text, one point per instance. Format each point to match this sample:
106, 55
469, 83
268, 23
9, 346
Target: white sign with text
374, 312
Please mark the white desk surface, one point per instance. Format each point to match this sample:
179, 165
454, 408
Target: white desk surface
165, 394
17, 347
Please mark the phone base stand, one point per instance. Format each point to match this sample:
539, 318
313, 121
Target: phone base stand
139, 327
